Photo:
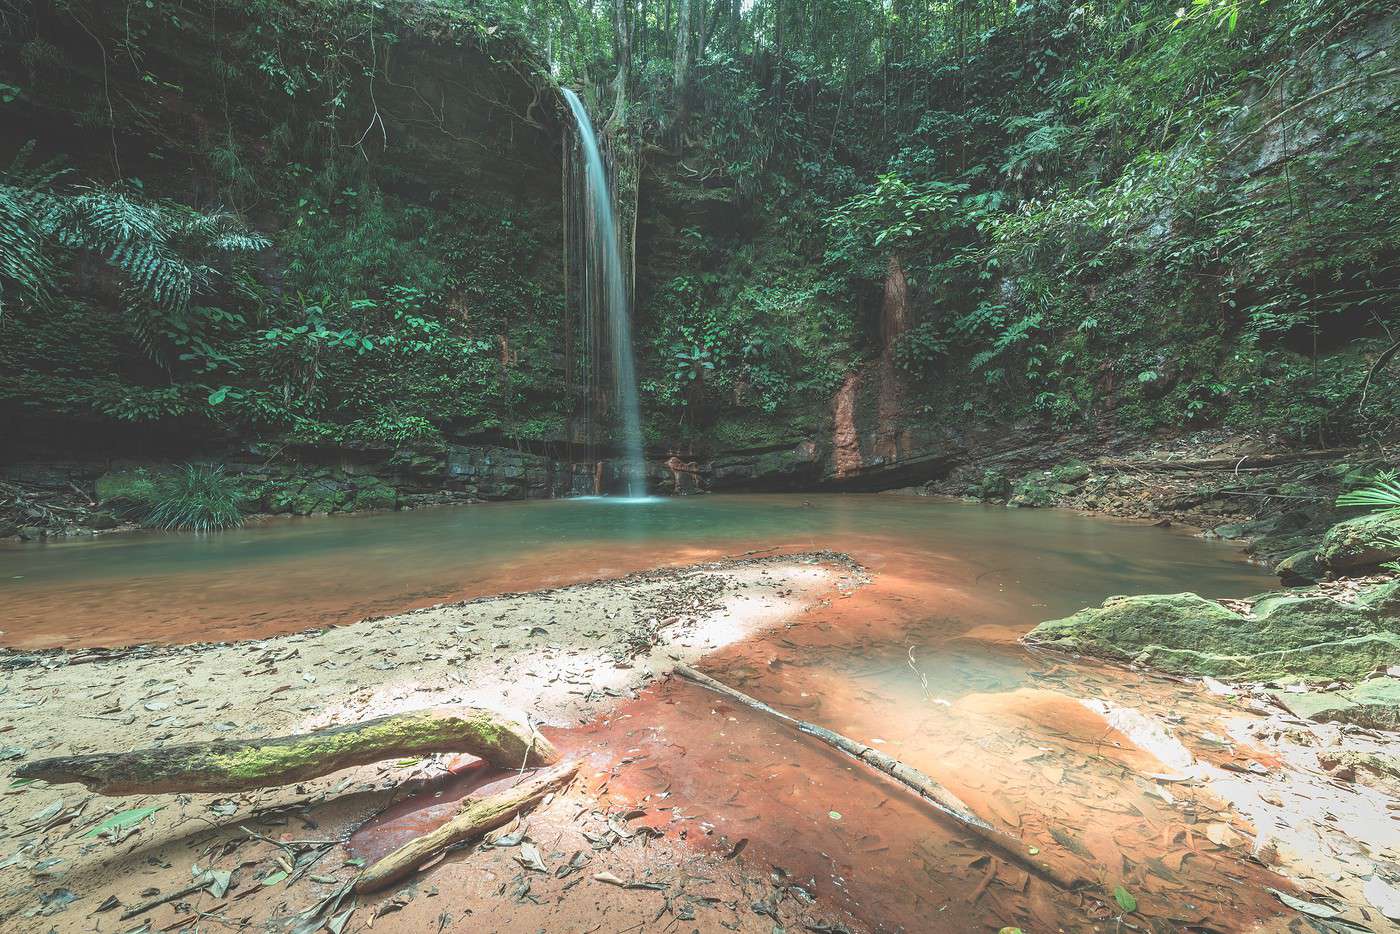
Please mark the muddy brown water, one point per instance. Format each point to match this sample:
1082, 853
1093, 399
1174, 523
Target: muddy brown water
923, 663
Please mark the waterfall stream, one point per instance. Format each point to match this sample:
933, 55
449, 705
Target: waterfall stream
602, 254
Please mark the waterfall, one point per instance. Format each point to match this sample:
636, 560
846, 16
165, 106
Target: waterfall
602, 261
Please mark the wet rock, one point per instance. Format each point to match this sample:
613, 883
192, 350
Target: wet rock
1374, 703
1311, 637
1361, 542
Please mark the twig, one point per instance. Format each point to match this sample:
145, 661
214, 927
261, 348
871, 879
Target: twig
164, 899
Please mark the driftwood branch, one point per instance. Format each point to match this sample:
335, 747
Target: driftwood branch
477, 816
240, 765
944, 802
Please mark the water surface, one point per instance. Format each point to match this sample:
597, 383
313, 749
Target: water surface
282, 575
922, 662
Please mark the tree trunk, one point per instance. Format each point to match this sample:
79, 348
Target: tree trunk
477, 816
622, 39
680, 74
239, 765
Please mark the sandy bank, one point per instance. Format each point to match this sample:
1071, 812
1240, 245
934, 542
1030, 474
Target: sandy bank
563, 655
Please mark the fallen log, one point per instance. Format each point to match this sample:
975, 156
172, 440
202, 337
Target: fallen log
240, 765
478, 815
944, 802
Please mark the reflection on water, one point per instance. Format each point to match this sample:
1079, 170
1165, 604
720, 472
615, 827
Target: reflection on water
280, 575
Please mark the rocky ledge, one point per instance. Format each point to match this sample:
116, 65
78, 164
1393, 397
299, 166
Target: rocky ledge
1313, 637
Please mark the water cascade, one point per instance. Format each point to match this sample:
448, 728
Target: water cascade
604, 297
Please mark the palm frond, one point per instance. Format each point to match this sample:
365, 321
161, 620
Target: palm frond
1381, 494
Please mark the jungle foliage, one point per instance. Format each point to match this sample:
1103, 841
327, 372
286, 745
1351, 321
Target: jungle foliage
339, 222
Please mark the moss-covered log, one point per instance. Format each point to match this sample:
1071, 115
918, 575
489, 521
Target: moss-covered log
478, 815
239, 765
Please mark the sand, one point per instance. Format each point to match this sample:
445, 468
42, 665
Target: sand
564, 656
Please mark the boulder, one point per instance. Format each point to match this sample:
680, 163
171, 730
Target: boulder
1073, 472
1362, 542
1383, 598
1308, 637
1301, 567
993, 485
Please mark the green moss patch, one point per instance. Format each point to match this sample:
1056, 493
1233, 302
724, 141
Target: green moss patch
1310, 637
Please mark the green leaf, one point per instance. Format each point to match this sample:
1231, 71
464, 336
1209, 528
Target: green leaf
218, 395
275, 877
124, 819
1125, 899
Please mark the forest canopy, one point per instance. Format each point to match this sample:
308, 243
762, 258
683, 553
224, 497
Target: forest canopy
336, 222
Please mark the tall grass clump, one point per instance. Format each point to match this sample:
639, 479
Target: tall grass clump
198, 498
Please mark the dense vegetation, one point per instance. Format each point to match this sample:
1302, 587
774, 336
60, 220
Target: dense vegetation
335, 222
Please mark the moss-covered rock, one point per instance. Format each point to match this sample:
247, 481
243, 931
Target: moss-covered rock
1362, 542
1373, 703
126, 488
319, 496
993, 484
1071, 473
1383, 598
1032, 492
1309, 637
372, 493
1300, 567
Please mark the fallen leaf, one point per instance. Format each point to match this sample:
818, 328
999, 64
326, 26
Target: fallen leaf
124, 819
1307, 908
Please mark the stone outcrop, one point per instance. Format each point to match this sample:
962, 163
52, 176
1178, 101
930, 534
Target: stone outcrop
1309, 637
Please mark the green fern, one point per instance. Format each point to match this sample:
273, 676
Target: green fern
160, 248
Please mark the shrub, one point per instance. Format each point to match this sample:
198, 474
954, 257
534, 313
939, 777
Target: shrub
199, 498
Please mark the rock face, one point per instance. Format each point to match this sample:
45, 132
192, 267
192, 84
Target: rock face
1308, 637
1362, 542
